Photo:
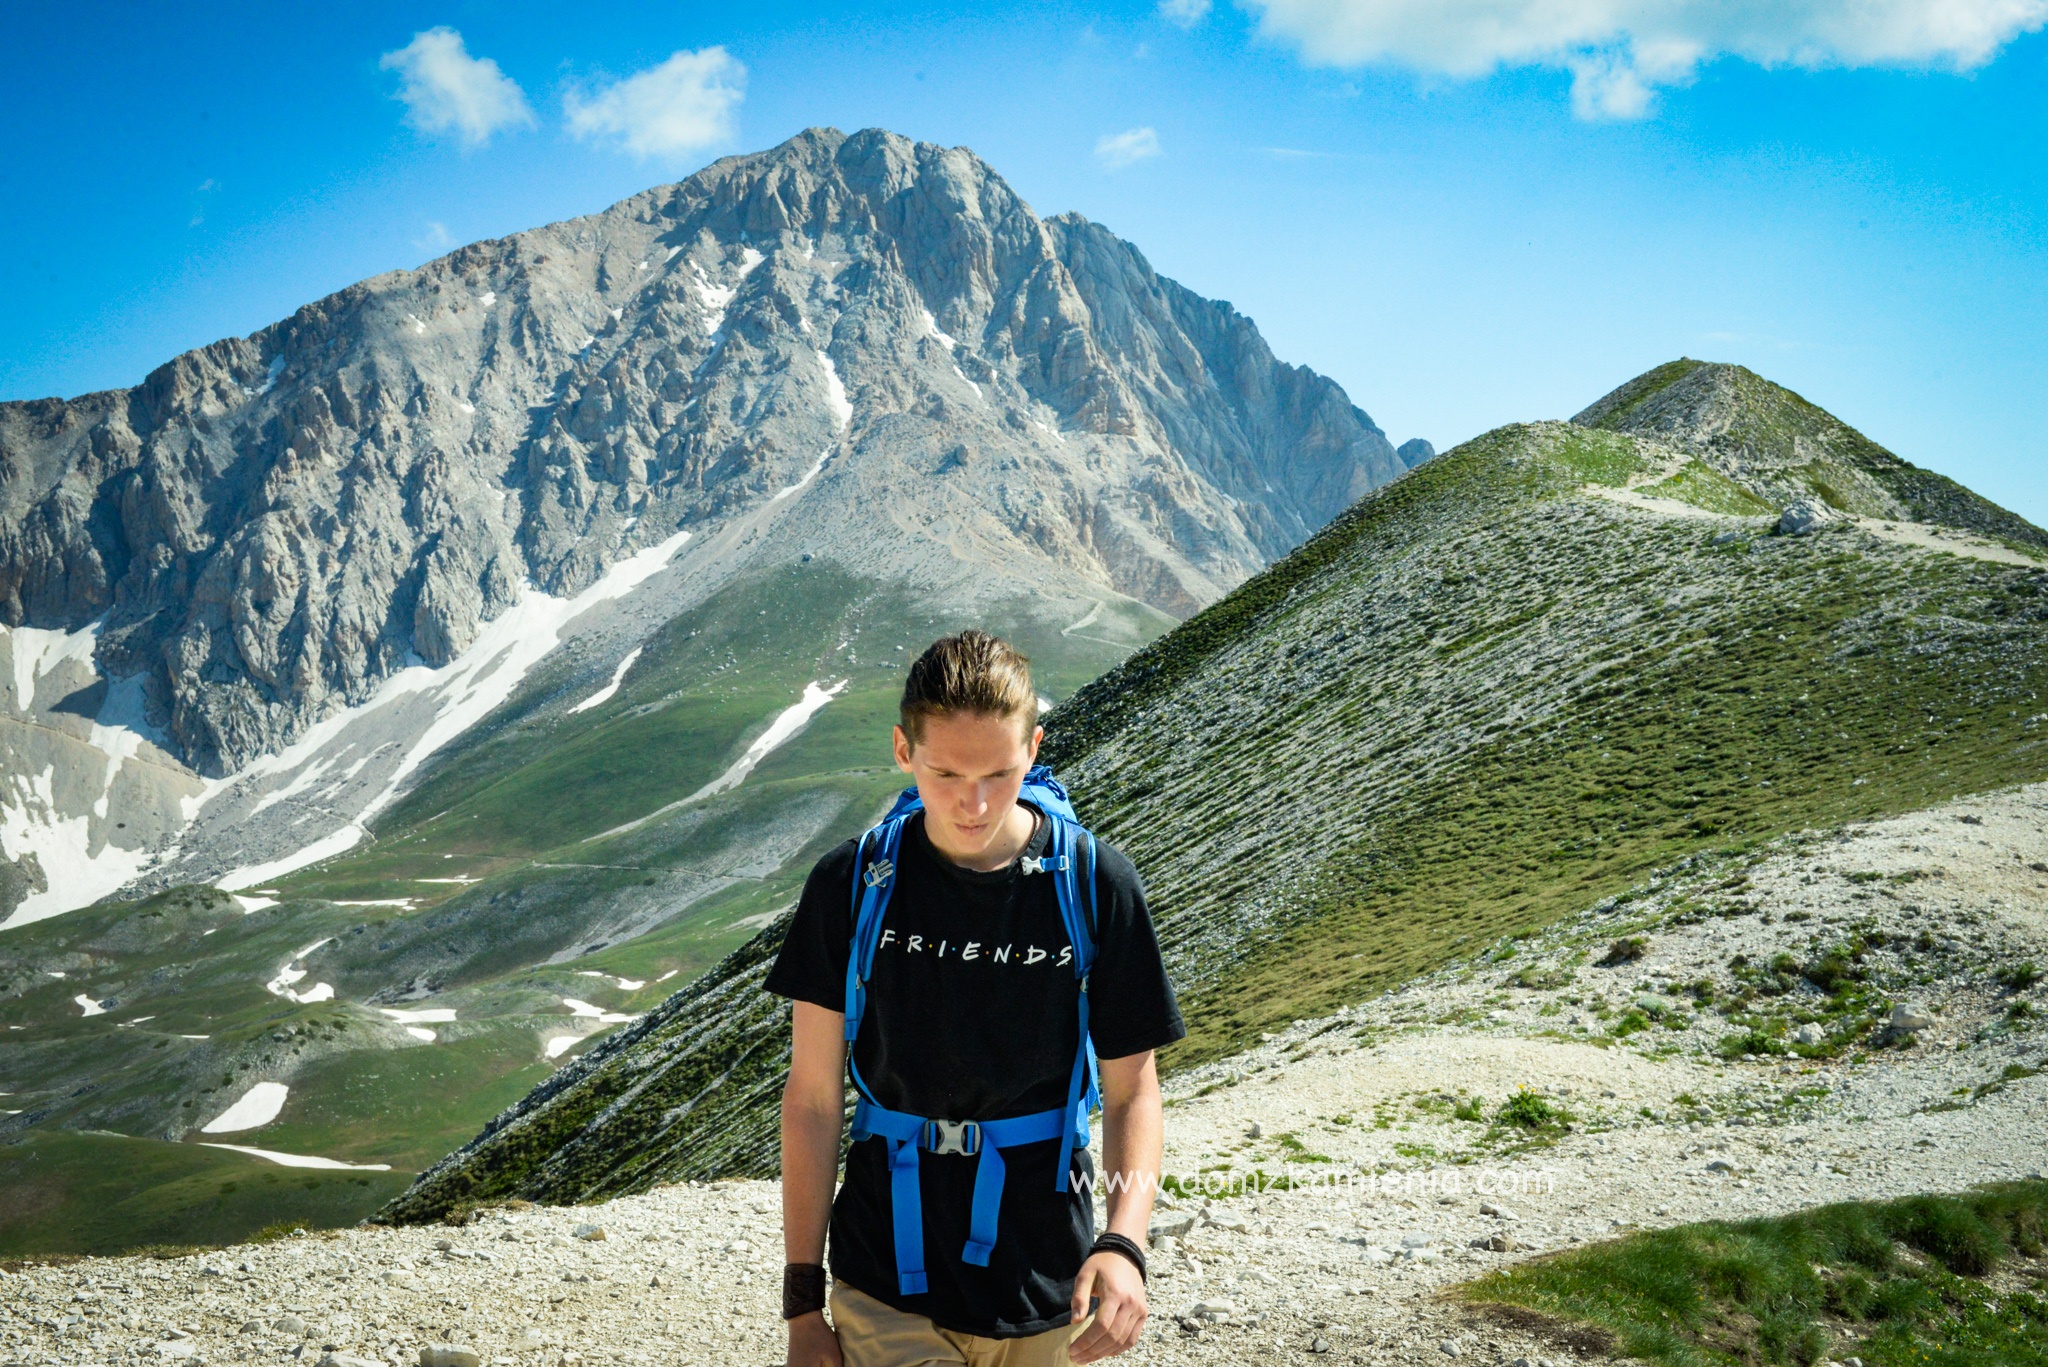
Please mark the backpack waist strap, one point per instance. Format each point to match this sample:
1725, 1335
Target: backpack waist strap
982, 1140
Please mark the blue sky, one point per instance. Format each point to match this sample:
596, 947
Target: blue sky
1465, 224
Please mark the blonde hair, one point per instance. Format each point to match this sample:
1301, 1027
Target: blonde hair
972, 672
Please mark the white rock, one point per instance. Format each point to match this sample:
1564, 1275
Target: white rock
1805, 516
1909, 1016
589, 1233
1173, 1227
449, 1355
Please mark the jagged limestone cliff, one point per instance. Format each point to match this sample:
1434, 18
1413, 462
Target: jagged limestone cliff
269, 530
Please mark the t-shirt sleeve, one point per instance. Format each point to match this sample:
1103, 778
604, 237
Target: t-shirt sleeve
811, 966
1131, 1007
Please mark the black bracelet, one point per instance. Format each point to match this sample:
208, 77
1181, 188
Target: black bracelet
803, 1289
1108, 1242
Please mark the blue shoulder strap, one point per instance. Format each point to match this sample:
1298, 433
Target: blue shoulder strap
1070, 856
874, 879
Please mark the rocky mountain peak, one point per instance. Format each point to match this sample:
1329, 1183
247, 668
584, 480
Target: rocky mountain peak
270, 582
267, 527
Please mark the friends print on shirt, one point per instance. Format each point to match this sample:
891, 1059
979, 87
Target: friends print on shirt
975, 950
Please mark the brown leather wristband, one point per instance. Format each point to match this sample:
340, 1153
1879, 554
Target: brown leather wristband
803, 1289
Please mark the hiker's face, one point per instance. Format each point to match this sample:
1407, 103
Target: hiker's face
968, 770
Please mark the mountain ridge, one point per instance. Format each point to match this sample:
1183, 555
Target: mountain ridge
1745, 426
1535, 674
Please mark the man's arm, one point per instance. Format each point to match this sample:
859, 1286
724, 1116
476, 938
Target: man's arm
813, 1112
1133, 1139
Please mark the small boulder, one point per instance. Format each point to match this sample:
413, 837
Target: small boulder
1172, 1227
1805, 516
1908, 1017
290, 1324
589, 1233
449, 1355
1809, 1035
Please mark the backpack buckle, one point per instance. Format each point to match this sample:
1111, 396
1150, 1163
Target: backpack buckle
878, 873
950, 1136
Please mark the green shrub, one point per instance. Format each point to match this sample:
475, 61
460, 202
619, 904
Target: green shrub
1527, 1110
2019, 977
1626, 950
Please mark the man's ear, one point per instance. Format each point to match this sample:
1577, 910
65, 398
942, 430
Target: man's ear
1037, 735
902, 747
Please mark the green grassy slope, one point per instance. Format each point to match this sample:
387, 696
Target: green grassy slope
1485, 697
1898, 1283
523, 806
100, 1193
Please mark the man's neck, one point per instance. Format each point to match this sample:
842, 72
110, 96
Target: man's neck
1010, 842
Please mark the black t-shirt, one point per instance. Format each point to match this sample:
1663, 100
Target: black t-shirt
973, 1014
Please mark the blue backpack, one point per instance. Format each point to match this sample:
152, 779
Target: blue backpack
1070, 859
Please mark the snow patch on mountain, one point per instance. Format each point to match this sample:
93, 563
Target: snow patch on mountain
602, 696
463, 691
258, 1106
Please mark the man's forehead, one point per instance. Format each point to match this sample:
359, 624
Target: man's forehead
972, 743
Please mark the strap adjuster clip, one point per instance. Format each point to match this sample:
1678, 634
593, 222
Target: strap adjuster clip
950, 1136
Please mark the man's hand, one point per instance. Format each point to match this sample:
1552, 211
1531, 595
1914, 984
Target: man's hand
1119, 1317
812, 1342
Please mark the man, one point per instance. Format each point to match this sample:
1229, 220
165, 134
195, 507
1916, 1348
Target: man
959, 934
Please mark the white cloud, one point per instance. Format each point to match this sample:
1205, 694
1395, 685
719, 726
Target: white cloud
444, 88
1118, 150
681, 106
1186, 13
1620, 52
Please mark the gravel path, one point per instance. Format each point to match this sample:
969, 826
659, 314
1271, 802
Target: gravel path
1395, 1195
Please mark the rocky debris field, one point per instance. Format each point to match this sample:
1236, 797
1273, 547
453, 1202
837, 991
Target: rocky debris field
1842, 1015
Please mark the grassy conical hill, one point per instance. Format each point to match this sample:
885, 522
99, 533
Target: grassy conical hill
1784, 447
1514, 682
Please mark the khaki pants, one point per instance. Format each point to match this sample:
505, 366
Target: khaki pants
872, 1334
